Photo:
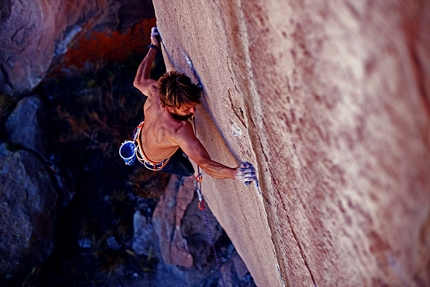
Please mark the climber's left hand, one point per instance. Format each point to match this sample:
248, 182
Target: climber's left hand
246, 173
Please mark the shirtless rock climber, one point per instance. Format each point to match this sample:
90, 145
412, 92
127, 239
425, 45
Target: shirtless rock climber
166, 134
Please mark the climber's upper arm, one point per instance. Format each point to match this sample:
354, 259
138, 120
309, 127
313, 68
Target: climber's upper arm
148, 87
188, 142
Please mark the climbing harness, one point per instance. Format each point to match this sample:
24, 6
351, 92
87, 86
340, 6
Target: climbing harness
140, 154
201, 205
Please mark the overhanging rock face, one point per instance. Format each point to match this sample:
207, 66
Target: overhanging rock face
331, 103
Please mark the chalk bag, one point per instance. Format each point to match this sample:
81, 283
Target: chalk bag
127, 151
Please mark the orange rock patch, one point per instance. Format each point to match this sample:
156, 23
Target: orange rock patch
107, 46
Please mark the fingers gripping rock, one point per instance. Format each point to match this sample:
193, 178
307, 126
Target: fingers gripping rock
246, 173
154, 32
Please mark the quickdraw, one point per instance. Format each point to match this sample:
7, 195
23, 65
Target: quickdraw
199, 178
201, 205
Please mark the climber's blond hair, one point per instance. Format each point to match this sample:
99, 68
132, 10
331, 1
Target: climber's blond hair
176, 89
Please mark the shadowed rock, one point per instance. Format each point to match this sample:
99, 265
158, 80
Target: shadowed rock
33, 32
28, 202
26, 126
167, 221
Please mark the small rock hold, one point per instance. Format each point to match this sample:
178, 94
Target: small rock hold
236, 130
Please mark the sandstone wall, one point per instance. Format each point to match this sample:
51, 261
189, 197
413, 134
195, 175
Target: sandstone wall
331, 103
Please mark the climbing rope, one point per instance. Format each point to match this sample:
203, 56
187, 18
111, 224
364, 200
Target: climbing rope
201, 205
199, 177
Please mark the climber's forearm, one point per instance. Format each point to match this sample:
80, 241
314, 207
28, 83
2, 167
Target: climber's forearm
144, 69
217, 170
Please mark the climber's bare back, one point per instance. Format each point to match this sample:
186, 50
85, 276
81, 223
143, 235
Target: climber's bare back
160, 128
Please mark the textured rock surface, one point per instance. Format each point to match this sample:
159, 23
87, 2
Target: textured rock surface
330, 102
181, 228
33, 32
71, 38
28, 198
25, 125
29, 32
28, 203
167, 222
177, 235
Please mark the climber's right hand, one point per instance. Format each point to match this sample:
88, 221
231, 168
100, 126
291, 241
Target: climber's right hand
246, 173
155, 37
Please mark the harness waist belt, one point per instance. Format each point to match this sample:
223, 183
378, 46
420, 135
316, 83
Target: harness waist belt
140, 154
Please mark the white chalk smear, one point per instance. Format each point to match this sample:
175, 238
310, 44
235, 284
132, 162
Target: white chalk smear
236, 130
190, 64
